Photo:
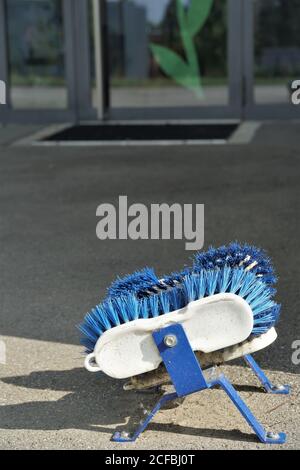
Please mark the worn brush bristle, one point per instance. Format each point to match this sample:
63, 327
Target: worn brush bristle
138, 282
237, 255
184, 289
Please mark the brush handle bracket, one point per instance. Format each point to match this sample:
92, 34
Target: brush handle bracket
188, 377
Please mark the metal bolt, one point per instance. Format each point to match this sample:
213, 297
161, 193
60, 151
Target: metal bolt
278, 387
272, 435
170, 341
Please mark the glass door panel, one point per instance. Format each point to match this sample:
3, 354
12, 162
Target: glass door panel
276, 49
36, 54
167, 53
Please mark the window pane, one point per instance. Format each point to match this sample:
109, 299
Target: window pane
277, 49
36, 53
167, 53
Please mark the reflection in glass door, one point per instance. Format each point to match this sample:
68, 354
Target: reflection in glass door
170, 54
271, 58
36, 54
276, 49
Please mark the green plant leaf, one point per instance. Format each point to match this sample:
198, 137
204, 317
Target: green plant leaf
181, 16
173, 65
197, 14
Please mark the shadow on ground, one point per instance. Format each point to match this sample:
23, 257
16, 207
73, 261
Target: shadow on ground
98, 404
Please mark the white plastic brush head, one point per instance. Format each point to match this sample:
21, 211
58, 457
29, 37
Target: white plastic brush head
210, 324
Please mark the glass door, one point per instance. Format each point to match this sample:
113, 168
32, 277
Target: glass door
272, 57
45, 61
172, 59
36, 54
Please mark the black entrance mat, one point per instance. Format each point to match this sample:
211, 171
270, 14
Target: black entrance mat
146, 132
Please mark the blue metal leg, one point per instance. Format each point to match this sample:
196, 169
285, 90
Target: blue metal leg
188, 377
268, 386
124, 436
265, 437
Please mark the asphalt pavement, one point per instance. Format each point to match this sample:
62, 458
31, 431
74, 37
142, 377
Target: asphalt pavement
54, 269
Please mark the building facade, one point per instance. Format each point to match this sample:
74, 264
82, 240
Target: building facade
80, 60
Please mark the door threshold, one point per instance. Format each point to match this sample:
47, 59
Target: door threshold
154, 134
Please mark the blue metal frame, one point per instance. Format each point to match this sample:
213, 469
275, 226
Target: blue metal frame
188, 377
180, 361
268, 386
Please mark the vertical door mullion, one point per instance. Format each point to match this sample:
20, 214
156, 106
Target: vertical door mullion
78, 70
235, 68
248, 52
99, 11
69, 34
82, 58
4, 67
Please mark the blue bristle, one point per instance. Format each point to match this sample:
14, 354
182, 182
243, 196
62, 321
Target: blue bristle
133, 309
189, 291
153, 305
172, 278
212, 281
248, 285
89, 333
164, 302
224, 279
120, 307
258, 289
176, 298
200, 284
217, 270
237, 280
144, 308
265, 321
139, 281
276, 313
100, 312
261, 305
234, 254
112, 313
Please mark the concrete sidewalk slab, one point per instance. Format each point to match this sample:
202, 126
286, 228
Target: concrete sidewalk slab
47, 400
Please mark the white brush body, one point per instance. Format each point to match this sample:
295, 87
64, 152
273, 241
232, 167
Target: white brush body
211, 324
